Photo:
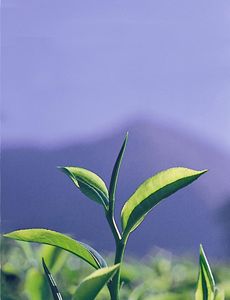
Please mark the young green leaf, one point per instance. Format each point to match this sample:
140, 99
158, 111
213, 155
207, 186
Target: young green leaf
53, 238
206, 284
89, 184
91, 285
53, 286
115, 173
152, 191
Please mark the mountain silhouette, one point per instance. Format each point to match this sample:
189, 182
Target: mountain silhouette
36, 194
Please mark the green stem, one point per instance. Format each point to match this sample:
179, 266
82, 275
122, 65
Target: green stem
115, 285
113, 227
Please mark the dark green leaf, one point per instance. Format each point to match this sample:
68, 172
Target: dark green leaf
89, 184
152, 191
53, 286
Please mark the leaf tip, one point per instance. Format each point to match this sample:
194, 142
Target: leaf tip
43, 263
126, 138
7, 235
61, 168
199, 173
204, 171
201, 247
202, 253
65, 170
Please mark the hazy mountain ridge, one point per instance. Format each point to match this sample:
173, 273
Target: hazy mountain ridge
36, 194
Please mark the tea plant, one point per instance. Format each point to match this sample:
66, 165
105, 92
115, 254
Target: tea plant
135, 210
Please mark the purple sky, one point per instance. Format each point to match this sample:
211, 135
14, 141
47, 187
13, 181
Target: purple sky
73, 69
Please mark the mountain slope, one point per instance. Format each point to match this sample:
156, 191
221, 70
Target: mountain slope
36, 194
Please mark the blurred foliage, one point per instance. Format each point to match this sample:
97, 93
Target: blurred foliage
159, 276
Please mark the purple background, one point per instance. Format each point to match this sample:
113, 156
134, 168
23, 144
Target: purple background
73, 69
80, 73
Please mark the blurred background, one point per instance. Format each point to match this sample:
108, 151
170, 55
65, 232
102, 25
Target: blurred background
77, 75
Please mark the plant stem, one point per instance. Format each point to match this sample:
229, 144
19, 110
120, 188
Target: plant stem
115, 285
113, 227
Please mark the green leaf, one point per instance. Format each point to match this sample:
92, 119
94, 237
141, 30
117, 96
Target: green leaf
53, 238
206, 284
53, 286
98, 258
115, 173
152, 191
91, 285
89, 184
